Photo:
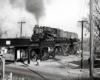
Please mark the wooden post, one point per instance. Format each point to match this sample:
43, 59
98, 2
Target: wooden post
10, 77
54, 52
91, 40
20, 54
3, 67
28, 56
82, 62
62, 51
15, 55
40, 53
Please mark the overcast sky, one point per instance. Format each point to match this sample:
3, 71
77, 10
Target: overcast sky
63, 14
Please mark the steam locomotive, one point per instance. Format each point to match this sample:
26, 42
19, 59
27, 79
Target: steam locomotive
57, 40
47, 33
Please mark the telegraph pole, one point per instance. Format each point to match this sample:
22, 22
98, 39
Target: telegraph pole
21, 28
82, 22
91, 40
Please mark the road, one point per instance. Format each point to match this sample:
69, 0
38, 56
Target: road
47, 74
25, 71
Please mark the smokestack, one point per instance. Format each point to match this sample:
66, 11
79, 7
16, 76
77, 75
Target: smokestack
36, 25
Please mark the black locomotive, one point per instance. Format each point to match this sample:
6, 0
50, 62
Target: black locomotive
47, 33
57, 40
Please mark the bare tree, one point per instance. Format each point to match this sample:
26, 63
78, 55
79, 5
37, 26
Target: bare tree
96, 18
96, 21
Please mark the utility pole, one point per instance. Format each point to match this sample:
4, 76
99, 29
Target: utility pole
82, 22
91, 40
21, 28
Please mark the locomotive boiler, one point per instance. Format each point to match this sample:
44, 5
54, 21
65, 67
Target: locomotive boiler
45, 33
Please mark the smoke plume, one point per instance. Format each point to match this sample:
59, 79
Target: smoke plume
17, 3
13, 11
36, 7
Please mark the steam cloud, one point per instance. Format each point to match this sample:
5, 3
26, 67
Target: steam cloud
36, 7
17, 3
13, 11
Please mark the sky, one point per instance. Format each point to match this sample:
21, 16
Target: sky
62, 14
65, 14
